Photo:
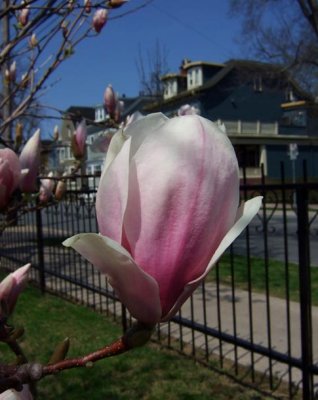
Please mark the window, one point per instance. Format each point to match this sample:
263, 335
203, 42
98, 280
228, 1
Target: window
248, 155
296, 118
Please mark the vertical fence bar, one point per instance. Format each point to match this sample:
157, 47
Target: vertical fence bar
40, 247
305, 292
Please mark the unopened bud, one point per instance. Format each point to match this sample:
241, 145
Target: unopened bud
10, 74
24, 81
23, 17
87, 6
70, 5
60, 190
64, 28
99, 19
13, 71
60, 351
110, 102
116, 3
18, 134
33, 42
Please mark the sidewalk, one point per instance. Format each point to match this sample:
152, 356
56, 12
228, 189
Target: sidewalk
278, 327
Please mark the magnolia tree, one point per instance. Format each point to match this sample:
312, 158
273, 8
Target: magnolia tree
37, 36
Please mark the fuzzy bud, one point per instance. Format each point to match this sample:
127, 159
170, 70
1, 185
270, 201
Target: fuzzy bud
110, 102
116, 3
33, 42
24, 16
87, 6
99, 19
18, 134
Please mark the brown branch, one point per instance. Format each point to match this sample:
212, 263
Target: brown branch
114, 349
16, 376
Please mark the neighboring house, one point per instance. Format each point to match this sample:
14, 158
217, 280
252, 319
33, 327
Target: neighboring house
263, 109
72, 116
99, 134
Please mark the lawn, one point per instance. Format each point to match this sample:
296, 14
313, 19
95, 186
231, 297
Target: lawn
276, 276
144, 373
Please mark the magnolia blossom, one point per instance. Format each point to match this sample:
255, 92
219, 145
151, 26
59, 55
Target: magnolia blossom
12, 394
11, 286
46, 188
110, 101
10, 174
30, 159
186, 109
79, 140
167, 208
99, 19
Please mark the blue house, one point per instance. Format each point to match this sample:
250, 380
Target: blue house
263, 109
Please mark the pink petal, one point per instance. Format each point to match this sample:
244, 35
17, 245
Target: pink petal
30, 159
136, 289
245, 214
112, 195
183, 197
13, 159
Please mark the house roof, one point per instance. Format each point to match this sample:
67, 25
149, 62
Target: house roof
228, 67
76, 113
202, 63
171, 75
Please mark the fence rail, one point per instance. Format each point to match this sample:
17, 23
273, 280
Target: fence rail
256, 312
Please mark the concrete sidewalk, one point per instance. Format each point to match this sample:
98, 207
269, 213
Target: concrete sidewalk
276, 336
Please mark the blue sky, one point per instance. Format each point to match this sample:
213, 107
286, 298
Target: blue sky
194, 29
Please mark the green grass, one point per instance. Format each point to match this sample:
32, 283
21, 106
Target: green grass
144, 373
276, 276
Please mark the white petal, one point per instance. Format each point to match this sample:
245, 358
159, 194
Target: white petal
136, 289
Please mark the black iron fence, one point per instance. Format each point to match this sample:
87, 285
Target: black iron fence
256, 315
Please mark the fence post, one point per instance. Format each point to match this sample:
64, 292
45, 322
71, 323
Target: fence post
40, 246
305, 291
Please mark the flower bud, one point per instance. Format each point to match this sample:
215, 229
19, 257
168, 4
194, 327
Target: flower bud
10, 74
10, 175
18, 134
87, 6
64, 28
46, 189
24, 15
110, 102
11, 286
70, 5
116, 3
30, 159
25, 80
99, 19
79, 140
186, 109
33, 42
60, 190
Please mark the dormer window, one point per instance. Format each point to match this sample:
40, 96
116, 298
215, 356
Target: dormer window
99, 114
171, 88
194, 77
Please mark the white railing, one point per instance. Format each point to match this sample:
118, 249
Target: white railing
250, 128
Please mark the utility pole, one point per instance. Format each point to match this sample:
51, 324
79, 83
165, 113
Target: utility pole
6, 86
